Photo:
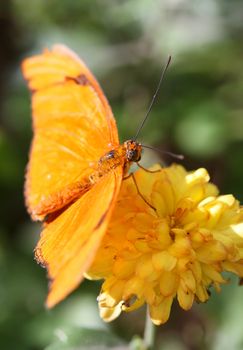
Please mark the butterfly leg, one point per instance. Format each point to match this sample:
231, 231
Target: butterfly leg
127, 177
139, 193
147, 170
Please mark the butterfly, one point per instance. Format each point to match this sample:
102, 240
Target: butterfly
76, 165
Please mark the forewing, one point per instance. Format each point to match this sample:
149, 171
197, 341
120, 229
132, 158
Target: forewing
69, 243
72, 121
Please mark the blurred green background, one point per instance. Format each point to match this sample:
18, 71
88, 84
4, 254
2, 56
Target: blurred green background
199, 113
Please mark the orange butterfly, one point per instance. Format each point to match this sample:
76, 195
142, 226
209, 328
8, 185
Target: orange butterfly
76, 165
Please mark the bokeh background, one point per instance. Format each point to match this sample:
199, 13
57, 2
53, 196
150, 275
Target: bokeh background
199, 113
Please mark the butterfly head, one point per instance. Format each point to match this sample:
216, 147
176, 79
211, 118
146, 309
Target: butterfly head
133, 150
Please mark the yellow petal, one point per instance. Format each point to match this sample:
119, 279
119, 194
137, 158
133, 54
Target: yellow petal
182, 247
190, 226
211, 272
228, 199
123, 268
133, 286
195, 267
149, 293
236, 268
215, 214
201, 235
144, 267
185, 298
142, 222
182, 264
160, 314
238, 229
183, 207
197, 192
199, 176
110, 314
211, 252
163, 261
178, 232
188, 280
133, 234
106, 300
163, 196
159, 203
163, 234
142, 246
168, 283
153, 277
116, 291
202, 293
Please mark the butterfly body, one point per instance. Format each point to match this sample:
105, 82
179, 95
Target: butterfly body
123, 155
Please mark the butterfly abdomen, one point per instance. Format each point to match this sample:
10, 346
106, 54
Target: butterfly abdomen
111, 160
60, 199
54, 202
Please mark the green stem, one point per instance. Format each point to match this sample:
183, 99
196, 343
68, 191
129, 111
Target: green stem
149, 332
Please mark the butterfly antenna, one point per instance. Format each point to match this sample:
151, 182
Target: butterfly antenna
174, 155
154, 97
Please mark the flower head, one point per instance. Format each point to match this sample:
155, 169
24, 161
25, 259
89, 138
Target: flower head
177, 251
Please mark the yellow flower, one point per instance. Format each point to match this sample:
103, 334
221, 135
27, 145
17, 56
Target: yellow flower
177, 251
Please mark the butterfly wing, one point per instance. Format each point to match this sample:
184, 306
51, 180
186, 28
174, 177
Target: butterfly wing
72, 121
69, 243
